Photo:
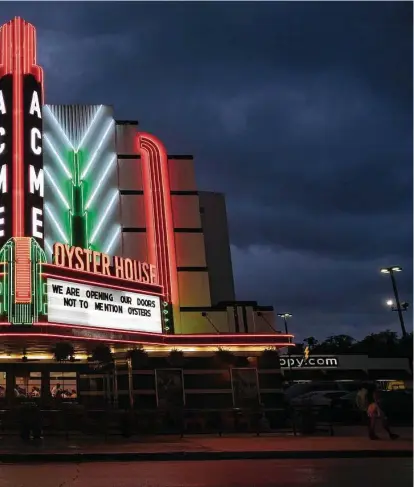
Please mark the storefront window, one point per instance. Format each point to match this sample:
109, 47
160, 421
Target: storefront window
63, 385
28, 386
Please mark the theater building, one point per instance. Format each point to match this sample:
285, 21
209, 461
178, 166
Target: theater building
105, 239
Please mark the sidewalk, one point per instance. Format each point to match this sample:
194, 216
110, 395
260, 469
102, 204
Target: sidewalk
347, 443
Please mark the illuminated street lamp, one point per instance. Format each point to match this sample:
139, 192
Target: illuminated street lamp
285, 317
388, 270
391, 271
404, 305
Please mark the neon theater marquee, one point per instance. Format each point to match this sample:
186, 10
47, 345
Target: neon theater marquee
67, 270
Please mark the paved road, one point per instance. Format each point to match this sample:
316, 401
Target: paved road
252, 473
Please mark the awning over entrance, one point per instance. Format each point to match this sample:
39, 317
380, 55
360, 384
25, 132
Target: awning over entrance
40, 336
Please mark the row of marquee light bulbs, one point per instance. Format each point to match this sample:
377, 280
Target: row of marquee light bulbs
161, 351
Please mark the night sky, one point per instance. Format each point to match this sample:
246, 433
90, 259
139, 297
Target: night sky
300, 112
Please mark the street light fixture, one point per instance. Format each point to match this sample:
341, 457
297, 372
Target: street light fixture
399, 308
389, 270
285, 317
404, 305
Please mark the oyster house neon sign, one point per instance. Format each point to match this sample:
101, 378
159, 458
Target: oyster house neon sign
99, 263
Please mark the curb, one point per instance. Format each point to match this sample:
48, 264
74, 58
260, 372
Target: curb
197, 456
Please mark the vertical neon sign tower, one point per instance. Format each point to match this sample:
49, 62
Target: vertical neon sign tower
159, 221
21, 170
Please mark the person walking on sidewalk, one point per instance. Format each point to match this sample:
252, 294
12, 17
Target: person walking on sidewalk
362, 402
376, 415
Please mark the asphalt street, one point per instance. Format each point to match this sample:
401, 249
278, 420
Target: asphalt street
250, 473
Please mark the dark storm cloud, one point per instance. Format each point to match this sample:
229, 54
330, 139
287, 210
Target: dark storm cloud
300, 112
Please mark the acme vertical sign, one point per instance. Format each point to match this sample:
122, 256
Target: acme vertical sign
24, 155
33, 158
6, 155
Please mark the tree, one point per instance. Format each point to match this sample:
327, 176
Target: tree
405, 346
336, 344
311, 342
382, 344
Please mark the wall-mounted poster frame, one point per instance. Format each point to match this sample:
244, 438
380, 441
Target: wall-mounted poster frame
245, 387
169, 388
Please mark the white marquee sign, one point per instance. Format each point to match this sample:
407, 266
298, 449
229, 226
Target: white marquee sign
96, 306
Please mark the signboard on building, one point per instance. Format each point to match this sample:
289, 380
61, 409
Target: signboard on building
311, 362
6, 157
86, 260
33, 158
97, 306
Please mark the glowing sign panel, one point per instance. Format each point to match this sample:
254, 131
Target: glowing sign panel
298, 362
100, 263
6, 157
97, 306
33, 158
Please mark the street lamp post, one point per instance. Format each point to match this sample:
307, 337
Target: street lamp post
391, 271
285, 317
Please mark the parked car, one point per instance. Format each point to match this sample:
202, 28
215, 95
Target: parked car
347, 408
313, 386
